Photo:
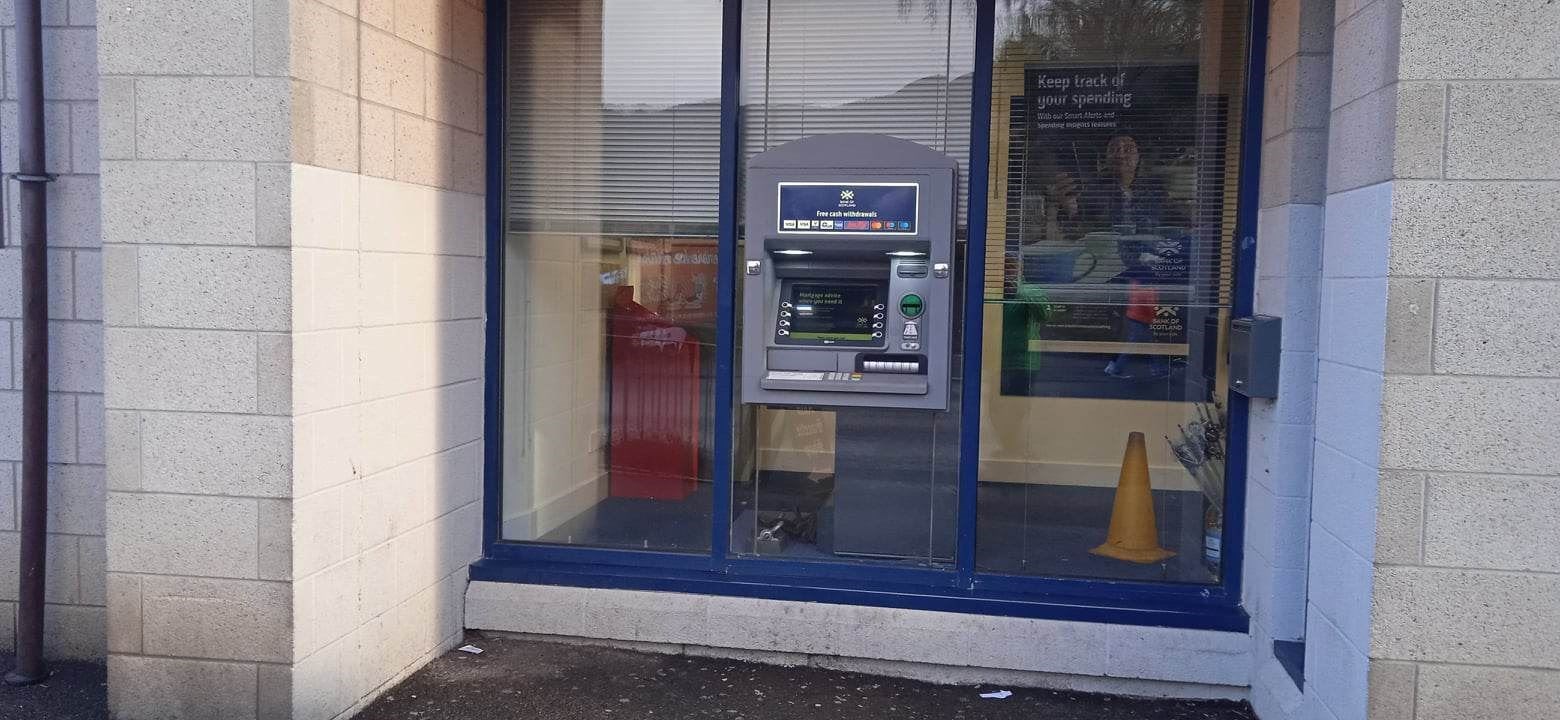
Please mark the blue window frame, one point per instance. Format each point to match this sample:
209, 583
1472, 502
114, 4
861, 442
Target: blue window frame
958, 589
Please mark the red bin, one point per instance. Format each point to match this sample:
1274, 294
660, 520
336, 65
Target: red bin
653, 448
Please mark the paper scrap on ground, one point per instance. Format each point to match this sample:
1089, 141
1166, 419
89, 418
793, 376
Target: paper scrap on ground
998, 695
473, 649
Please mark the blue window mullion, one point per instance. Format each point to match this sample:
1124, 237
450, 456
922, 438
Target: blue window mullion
725, 266
974, 291
493, 205
1247, 199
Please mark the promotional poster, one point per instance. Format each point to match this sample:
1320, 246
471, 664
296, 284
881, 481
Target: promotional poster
1103, 236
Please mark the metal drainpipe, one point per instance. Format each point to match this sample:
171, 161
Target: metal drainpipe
32, 179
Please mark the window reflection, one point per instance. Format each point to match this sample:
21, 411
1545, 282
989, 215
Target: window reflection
612, 176
859, 483
1115, 129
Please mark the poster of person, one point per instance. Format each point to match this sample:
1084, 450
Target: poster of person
1104, 246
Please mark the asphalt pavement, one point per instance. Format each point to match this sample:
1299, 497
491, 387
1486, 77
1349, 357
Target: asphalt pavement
520, 679
74, 691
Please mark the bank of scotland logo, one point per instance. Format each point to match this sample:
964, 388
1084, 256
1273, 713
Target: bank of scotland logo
847, 194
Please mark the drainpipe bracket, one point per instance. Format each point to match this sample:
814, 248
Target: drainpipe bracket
25, 178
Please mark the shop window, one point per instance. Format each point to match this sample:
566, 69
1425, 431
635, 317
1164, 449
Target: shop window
1101, 271
611, 167
1110, 259
851, 484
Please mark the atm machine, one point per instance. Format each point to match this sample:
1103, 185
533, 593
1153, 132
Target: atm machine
848, 305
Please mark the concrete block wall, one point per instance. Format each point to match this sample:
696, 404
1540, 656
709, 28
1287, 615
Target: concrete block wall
387, 235
555, 340
197, 340
1466, 619
294, 348
1360, 117
1433, 482
1289, 265
74, 614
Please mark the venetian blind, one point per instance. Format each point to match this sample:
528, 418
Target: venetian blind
898, 67
1115, 148
614, 116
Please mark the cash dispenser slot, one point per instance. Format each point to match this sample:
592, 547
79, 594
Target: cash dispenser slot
891, 363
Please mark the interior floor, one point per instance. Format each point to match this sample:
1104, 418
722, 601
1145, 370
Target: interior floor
1025, 529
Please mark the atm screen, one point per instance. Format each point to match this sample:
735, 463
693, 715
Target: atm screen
830, 313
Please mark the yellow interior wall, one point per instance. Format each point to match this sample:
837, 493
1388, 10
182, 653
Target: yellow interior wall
555, 335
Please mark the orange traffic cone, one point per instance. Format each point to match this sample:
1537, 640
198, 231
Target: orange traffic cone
1133, 534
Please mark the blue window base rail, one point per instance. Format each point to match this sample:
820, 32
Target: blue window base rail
957, 587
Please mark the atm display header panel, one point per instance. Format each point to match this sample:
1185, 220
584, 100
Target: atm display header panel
848, 208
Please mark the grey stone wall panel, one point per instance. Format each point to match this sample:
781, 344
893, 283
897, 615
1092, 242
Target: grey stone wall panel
1497, 522
1475, 229
1466, 616
1470, 424
1473, 39
1500, 327
1461, 692
214, 38
1503, 130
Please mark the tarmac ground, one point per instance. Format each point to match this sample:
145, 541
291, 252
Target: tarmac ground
74, 691
523, 679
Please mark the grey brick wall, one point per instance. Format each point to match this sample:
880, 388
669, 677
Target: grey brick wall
387, 304
1467, 589
197, 347
1289, 263
294, 296
1432, 477
74, 614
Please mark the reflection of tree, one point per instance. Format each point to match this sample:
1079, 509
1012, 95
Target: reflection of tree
1111, 30
1084, 29
1061, 188
932, 10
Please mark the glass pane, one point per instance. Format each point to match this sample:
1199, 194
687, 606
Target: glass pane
1110, 259
821, 483
611, 171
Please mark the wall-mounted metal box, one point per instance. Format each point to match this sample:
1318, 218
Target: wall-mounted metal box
1254, 350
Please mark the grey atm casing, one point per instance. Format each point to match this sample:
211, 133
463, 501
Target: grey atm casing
846, 159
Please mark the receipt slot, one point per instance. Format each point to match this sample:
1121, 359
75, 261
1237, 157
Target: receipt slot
848, 283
